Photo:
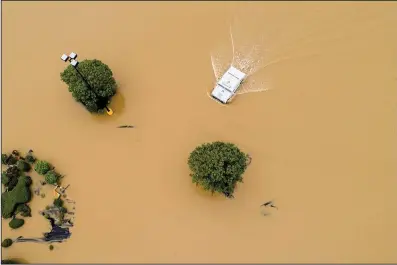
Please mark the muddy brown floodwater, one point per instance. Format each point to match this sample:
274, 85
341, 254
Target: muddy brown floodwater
323, 141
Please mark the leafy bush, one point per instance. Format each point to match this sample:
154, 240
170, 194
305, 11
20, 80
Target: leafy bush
51, 247
217, 167
16, 223
6, 243
19, 195
58, 202
24, 210
52, 177
101, 85
23, 166
42, 167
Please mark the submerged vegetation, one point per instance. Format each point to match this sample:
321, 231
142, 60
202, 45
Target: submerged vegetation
9, 261
52, 177
92, 84
17, 194
42, 167
218, 167
6, 243
21, 194
16, 223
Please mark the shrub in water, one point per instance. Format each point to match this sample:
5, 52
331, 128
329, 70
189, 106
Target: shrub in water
4, 158
13, 174
16, 223
42, 167
58, 202
24, 210
4, 179
11, 160
28, 180
94, 87
217, 167
19, 195
52, 177
23, 166
29, 157
6, 243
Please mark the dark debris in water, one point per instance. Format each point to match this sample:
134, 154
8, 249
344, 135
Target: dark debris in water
126, 126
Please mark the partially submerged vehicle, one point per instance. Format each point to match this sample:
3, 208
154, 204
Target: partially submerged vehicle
227, 86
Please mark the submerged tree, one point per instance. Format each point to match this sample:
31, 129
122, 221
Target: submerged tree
92, 84
20, 194
218, 167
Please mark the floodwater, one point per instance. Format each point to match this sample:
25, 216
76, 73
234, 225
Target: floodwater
323, 140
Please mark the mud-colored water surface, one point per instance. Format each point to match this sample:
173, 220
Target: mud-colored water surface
323, 140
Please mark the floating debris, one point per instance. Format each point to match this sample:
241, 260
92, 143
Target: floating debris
267, 205
126, 126
249, 159
57, 234
36, 191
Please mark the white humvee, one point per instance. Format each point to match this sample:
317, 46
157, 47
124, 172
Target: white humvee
228, 85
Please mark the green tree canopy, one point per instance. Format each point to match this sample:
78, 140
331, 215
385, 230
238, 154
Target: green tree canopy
19, 195
94, 88
16, 223
42, 167
218, 167
52, 177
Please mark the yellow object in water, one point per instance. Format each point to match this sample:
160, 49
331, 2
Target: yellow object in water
109, 111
